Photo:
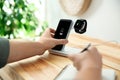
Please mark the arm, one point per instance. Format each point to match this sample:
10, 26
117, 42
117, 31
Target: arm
20, 49
23, 49
88, 64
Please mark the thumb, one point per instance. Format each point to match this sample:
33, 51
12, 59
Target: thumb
72, 56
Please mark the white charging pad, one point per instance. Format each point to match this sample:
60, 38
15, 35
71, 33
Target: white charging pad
65, 51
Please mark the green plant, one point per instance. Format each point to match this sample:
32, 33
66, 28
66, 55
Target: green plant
15, 16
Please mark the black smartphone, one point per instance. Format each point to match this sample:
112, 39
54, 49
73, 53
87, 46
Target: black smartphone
62, 31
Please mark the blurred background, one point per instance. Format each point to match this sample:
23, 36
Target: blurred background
103, 17
22, 18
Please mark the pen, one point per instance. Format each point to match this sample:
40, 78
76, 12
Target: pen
86, 48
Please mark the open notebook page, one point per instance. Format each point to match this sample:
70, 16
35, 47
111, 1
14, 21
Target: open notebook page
69, 72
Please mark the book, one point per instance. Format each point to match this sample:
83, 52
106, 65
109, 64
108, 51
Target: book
69, 72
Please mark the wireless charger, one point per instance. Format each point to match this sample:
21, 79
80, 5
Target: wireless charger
79, 27
65, 51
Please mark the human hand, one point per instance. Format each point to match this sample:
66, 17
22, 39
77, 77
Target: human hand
48, 41
88, 59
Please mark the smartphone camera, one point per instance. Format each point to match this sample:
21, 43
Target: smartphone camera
80, 26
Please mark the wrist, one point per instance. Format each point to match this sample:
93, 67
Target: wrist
40, 48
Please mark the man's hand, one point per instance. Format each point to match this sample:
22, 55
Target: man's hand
88, 64
48, 41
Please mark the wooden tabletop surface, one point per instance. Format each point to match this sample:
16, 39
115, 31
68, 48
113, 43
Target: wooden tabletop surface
48, 66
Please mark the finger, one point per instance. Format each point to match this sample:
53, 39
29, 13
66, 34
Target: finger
93, 49
52, 30
52, 35
48, 32
61, 41
96, 52
73, 57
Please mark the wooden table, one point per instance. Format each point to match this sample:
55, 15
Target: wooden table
47, 66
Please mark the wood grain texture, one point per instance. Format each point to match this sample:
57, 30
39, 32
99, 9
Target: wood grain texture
47, 66
44, 67
7, 73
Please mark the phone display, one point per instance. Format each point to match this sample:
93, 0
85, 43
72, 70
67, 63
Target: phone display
62, 31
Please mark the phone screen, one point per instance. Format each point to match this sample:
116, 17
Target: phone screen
62, 31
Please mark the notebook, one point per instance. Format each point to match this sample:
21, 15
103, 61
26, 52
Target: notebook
69, 72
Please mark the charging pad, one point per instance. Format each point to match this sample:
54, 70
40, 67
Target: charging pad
65, 51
